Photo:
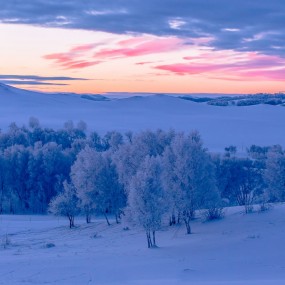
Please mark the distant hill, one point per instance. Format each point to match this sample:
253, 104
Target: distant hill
261, 124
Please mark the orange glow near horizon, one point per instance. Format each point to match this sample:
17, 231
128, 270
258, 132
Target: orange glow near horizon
128, 63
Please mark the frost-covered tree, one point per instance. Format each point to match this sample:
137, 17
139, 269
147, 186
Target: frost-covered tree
113, 188
258, 152
146, 198
230, 151
48, 167
96, 180
96, 142
17, 159
112, 140
82, 176
275, 174
130, 155
34, 123
241, 181
14, 136
65, 204
4, 193
189, 178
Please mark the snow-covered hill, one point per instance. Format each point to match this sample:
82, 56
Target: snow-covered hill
219, 126
237, 250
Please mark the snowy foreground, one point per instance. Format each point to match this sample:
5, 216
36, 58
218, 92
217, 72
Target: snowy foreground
240, 249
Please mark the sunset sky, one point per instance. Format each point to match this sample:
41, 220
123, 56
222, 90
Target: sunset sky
168, 46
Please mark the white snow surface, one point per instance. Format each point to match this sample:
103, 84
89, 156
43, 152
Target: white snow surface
219, 126
237, 250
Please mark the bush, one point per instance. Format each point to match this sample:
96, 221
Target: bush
221, 103
214, 213
49, 245
6, 241
263, 207
248, 102
273, 102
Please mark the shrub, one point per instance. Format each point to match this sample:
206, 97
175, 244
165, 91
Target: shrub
6, 241
214, 213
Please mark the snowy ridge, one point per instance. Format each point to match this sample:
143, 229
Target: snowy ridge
219, 126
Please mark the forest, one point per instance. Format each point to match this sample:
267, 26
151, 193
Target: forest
149, 176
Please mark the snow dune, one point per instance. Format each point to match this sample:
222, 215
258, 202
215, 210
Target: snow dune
219, 126
238, 250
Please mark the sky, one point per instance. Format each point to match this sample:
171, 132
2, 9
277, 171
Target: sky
158, 46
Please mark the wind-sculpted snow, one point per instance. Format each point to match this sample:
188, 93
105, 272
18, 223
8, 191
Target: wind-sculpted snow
219, 126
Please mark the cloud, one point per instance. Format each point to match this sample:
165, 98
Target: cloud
230, 65
15, 79
255, 25
75, 58
144, 62
189, 69
80, 56
176, 24
79, 64
140, 46
39, 78
30, 82
106, 12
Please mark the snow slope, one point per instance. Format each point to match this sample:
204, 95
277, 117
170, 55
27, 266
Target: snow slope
219, 126
238, 250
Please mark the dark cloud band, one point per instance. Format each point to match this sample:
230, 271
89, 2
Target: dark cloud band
255, 25
14, 79
38, 78
29, 82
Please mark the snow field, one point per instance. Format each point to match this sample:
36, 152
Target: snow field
239, 249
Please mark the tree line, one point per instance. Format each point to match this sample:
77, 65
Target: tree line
148, 175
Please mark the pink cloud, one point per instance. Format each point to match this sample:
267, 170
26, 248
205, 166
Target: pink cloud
80, 64
215, 64
277, 75
144, 62
131, 41
139, 47
131, 47
59, 57
83, 48
75, 58
230, 65
190, 69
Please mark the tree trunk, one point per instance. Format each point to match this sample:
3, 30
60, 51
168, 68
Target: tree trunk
71, 221
187, 224
88, 218
172, 219
179, 218
153, 238
2, 197
117, 218
107, 219
149, 242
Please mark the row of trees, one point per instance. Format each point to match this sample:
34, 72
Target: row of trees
147, 176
